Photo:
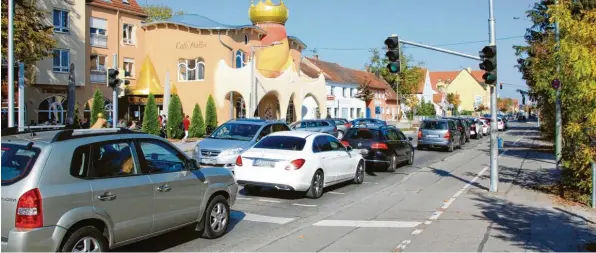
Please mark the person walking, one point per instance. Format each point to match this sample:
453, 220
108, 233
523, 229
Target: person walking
186, 124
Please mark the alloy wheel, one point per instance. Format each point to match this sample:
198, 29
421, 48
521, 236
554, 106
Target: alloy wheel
318, 184
218, 217
87, 244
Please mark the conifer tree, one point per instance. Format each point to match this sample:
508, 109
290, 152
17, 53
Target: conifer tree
150, 120
211, 115
98, 106
197, 124
174, 120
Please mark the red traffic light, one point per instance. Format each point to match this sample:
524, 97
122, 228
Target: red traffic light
488, 52
392, 42
556, 83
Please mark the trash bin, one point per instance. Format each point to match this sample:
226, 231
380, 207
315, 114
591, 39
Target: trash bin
500, 142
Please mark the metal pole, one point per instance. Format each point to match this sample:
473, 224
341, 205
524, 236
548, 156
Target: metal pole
115, 96
397, 96
494, 152
21, 95
10, 63
593, 184
253, 84
558, 120
411, 43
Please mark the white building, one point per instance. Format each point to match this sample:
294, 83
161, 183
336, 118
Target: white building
342, 103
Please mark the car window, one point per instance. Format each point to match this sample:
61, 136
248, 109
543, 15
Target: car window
401, 136
161, 158
266, 131
335, 144
391, 135
79, 166
323, 144
323, 123
280, 128
435, 125
281, 143
17, 162
361, 134
235, 131
111, 159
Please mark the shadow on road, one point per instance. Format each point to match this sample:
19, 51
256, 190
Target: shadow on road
444, 173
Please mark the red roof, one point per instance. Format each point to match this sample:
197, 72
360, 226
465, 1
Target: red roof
309, 71
443, 76
336, 73
132, 6
437, 98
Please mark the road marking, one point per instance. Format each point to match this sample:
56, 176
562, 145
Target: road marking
427, 222
263, 218
367, 182
448, 203
270, 201
417, 231
296, 204
339, 193
402, 246
241, 198
435, 215
367, 223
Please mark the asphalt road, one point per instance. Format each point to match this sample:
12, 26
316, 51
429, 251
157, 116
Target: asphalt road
373, 216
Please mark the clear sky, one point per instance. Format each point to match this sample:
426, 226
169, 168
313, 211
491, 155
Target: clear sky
342, 31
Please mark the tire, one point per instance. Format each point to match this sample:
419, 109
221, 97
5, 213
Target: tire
217, 217
411, 159
450, 148
252, 190
419, 147
340, 134
89, 235
359, 177
393, 164
316, 185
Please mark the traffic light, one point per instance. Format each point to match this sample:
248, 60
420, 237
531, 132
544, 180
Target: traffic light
392, 54
113, 78
489, 64
122, 84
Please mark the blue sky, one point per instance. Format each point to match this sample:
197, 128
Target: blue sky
330, 26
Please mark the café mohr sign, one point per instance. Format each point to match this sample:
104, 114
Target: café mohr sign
183, 45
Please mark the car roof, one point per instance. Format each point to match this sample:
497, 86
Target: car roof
254, 121
299, 134
54, 136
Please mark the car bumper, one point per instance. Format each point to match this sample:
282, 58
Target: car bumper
46, 239
434, 143
216, 161
296, 180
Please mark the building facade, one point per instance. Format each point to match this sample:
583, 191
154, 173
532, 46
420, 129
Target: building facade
467, 84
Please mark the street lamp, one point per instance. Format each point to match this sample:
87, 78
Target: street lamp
254, 99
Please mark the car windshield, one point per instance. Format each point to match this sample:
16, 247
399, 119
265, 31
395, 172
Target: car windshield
281, 143
17, 161
235, 131
361, 134
435, 125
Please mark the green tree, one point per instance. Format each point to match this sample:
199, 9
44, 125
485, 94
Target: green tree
197, 124
33, 40
159, 12
211, 115
98, 106
150, 117
364, 92
175, 116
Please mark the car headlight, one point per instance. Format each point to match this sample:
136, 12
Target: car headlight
234, 151
197, 150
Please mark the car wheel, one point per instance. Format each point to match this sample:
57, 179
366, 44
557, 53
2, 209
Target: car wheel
411, 159
217, 217
340, 135
252, 190
86, 239
359, 177
393, 164
316, 185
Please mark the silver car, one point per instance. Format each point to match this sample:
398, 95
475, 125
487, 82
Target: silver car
316, 125
232, 138
98, 189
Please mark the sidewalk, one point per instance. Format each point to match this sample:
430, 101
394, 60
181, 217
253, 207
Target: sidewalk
516, 218
187, 147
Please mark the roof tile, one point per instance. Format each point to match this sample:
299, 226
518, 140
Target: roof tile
336, 73
131, 6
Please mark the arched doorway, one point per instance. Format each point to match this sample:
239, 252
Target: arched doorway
235, 105
291, 111
240, 108
310, 108
268, 107
51, 110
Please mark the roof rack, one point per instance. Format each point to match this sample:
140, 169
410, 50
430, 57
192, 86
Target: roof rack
69, 134
30, 129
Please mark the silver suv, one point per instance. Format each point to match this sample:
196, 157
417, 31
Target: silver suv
95, 190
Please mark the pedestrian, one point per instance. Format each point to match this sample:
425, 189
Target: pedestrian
186, 123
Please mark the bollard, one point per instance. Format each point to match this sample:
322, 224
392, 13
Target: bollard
500, 142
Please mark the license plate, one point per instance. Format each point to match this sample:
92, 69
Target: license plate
432, 136
208, 161
263, 163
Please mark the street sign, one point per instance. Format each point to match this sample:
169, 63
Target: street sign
556, 83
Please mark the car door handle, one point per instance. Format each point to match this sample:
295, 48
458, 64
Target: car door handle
164, 188
108, 196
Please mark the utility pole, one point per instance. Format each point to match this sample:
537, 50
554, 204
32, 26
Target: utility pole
115, 95
558, 120
11, 64
494, 152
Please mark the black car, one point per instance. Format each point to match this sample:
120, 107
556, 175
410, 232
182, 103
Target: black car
381, 146
463, 126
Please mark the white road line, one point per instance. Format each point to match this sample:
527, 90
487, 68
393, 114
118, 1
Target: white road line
435, 215
339, 193
367, 223
270, 201
367, 182
448, 203
296, 204
402, 245
427, 222
241, 198
267, 219
417, 231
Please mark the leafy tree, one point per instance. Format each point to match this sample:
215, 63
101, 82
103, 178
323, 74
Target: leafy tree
98, 106
211, 115
150, 117
159, 12
33, 40
175, 116
454, 100
197, 124
364, 92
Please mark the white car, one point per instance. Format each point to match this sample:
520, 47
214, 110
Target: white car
485, 127
500, 124
298, 161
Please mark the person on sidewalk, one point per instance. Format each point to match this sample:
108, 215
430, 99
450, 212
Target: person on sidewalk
186, 123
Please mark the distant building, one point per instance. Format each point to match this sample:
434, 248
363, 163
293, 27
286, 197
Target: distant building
466, 83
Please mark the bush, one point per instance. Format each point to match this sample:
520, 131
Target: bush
98, 106
197, 124
150, 117
174, 120
211, 115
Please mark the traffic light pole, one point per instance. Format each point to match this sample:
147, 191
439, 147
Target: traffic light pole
494, 152
115, 95
558, 120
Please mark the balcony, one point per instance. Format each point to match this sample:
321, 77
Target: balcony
98, 40
98, 76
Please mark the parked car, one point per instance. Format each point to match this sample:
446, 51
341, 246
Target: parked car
475, 128
316, 125
463, 127
221, 148
485, 126
440, 133
98, 189
368, 122
342, 126
298, 161
385, 146
500, 124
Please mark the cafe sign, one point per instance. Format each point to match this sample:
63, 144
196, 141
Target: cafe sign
183, 45
143, 100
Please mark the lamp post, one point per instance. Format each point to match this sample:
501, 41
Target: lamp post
253, 84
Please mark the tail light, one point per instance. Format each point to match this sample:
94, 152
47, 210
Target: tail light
345, 143
348, 125
419, 135
379, 145
239, 161
29, 210
295, 164
447, 136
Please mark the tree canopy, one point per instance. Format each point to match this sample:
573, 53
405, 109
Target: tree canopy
158, 12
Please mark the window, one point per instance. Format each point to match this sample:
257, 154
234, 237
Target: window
112, 159
128, 34
98, 32
335, 144
266, 131
61, 60
191, 70
345, 92
235, 131
61, 23
240, 59
352, 113
161, 158
282, 143
280, 128
245, 39
362, 134
129, 67
98, 62
17, 161
321, 144
401, 136
332, 90
391, 135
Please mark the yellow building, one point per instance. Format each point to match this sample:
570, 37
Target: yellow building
467, 84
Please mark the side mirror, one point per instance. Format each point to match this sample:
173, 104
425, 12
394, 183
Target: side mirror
192, 164
349, 148
410, 138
